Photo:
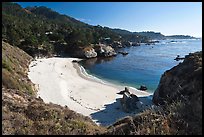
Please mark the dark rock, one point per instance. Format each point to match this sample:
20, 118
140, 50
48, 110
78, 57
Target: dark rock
126, 43
123, 91
117, 44
126, 89
143, 87
178, 58
135, 44
74, 61
123, 53
129, 101
124, 126
134, 97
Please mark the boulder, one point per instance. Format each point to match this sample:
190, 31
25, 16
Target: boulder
129, 101
124, 126
123, 91
89, 52
104, 50
143, 87
123, 53
178, 58
74, 61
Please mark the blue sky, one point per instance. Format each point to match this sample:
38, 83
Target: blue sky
169, 18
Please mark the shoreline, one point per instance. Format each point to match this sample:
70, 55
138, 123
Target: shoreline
63, 82
90, 77
83, 74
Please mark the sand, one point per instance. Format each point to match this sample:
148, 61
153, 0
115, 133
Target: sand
63, 82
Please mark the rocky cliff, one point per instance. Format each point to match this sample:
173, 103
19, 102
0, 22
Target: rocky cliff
182, 82
104, 50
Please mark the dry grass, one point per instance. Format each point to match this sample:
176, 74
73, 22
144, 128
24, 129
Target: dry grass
14, 69
23, 114
177, 118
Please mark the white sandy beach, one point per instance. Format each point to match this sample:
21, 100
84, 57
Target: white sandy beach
62, 82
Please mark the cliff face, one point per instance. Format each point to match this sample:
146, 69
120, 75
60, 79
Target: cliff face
182, 82
180, 91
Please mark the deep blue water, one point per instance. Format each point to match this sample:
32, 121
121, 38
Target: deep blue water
144, 64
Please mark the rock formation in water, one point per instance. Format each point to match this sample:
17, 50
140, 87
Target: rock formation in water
89, 52
104, 50
143, 87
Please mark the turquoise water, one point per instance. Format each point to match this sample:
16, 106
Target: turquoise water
144, 64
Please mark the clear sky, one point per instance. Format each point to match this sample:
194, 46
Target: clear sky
169, 18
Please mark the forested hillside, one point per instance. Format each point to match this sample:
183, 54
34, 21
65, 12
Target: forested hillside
40, 30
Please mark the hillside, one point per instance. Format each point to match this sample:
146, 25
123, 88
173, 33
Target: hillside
151, 35
42, 31
180, 37
14, 69
23, 113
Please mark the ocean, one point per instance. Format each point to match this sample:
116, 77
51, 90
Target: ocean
144, 64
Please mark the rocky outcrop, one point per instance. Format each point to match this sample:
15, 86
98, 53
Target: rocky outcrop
129, 101
126, 43
117, 44
180, 93
143, 87
123, 53
182, 82
89, 52
178, 58
135, 44
104, 50
125, 126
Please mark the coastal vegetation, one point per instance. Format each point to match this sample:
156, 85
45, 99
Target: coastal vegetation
15, 68
39, 31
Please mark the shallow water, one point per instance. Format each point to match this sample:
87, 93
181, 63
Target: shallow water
144, 64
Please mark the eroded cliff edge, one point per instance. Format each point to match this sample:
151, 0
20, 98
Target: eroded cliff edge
182, 82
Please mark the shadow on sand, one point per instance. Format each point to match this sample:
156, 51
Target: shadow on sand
112, 112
